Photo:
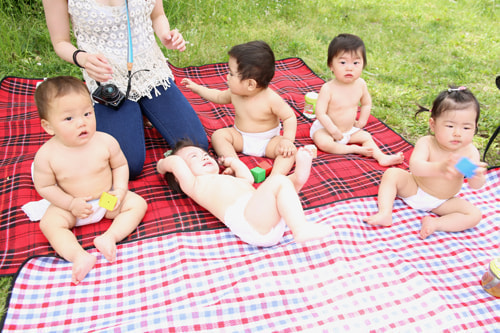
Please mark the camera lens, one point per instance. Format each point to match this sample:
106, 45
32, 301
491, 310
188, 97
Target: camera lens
109, 92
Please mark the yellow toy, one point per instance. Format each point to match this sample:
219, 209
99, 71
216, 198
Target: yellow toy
107, 201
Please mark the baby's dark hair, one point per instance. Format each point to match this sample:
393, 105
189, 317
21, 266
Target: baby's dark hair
346, 43
54, 87
169, 176
456, 98
255, 61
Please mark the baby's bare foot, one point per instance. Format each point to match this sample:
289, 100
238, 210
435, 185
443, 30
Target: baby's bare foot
81, 267
388, 160
379, 219
303, 161
428, 227
107, 246
311, 231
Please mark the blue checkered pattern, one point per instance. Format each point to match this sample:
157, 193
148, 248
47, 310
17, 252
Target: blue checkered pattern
361, 278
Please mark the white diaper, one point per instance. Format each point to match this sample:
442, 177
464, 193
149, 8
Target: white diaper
96, 216
235, 220
255, 144
316, 125
423, 201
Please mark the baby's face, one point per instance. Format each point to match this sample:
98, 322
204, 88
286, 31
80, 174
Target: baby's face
234, 82
71, 119
347, 67
198, 161
454, 129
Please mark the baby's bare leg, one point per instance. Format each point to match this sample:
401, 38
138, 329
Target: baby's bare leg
394, 182
276, 198
227, 142
130, 215
283, 160
455, 215
366, 140
325, 142
56, 225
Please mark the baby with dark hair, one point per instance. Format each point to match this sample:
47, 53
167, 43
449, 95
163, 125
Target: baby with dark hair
434, 180
256, 216
260, 113
336, 129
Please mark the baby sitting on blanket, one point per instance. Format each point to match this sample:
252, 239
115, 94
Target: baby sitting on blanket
72, 170
258, 109
257, 216
336, 130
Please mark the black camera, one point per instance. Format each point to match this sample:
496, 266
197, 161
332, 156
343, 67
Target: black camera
109, 95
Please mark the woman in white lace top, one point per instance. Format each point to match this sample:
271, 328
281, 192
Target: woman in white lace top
100, 28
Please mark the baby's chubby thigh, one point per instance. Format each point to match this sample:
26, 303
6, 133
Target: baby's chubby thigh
56, 218
261, 211
361, 136
224, 137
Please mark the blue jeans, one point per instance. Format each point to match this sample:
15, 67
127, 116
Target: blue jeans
170, 113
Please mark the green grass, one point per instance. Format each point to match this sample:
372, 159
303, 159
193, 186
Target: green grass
415, 48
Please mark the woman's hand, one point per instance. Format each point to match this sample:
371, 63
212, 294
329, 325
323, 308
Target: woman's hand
173, 40
96, 66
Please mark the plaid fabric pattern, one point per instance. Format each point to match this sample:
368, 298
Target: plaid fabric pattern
361, 278
333, 177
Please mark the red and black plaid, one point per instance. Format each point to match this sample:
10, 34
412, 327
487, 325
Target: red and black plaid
333, 177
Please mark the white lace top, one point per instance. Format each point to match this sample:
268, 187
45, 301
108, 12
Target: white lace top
103, 29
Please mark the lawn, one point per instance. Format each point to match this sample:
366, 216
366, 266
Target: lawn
415, 48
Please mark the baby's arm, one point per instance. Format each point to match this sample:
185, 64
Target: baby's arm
284, 112
119, 168
239, 169
420, 165
212, 95
181, 171
366, 106
322, 112
46, 185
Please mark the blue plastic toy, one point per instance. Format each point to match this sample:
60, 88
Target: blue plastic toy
466, 167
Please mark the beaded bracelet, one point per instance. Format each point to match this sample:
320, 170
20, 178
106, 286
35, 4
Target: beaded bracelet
74, 57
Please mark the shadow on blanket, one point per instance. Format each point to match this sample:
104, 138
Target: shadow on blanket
333, 178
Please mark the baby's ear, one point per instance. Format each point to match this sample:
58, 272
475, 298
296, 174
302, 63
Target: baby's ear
251, 84
47, 127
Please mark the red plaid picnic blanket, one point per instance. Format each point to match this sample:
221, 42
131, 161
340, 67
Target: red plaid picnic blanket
333, 177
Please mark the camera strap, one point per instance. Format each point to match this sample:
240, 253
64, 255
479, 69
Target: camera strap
130, 52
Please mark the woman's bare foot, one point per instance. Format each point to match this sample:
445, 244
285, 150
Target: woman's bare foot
429, 225
388, 160
303, 162
107, 246
81, 267
311, 231
379, 219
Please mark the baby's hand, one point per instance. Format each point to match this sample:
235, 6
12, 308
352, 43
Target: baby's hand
337, 135
80, 208
480, 171
358, 124
120, 195
448, 168
286, 148
189, 84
